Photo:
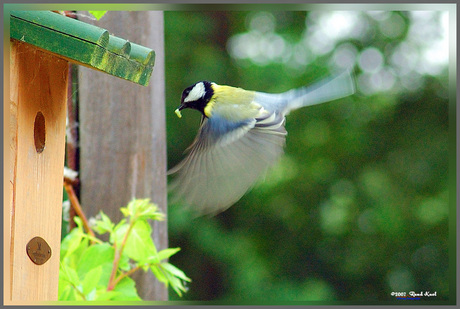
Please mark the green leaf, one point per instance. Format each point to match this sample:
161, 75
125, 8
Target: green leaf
127, 289
142, 209
149, 211
73, 259
176, 284
139, 245
98, 14
103, 225
125, 211
65, 289
124, 262
176, 272
106, 271
94, 256
69, 274
103, 294
62, 284
159, 274
167, 253
71, 242
79, 222
119, 233
91, 280
175, 277
122, 225
73, 245
151, 260
67, 293
162, 255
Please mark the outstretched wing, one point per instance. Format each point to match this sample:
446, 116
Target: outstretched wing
226, 159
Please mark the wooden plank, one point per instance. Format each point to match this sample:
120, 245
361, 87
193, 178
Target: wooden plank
83, 44
38, 83
123, 136
9, 211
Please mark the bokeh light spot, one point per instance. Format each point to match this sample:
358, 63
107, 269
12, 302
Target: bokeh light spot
400, 279
370, 60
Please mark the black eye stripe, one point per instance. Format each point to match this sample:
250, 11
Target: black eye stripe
185, 93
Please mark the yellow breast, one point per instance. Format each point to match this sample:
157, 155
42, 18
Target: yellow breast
232, 103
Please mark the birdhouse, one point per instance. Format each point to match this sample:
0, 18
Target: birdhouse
42, 44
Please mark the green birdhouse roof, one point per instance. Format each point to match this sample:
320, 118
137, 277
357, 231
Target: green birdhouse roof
84, 44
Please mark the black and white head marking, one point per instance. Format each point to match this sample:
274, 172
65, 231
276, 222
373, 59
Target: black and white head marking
197, 92
197, 96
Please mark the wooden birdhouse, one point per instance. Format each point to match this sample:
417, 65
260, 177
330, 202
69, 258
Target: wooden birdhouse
42, 44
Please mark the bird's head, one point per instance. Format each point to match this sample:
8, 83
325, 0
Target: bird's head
196, 96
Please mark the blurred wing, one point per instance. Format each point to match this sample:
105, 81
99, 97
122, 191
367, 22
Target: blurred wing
225, 160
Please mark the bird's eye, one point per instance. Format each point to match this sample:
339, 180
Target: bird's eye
185, 93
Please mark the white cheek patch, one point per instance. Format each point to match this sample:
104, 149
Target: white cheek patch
196, 93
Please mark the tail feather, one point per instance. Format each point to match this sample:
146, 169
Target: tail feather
326, 90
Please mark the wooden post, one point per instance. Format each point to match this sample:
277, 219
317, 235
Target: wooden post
123, 136
38, 93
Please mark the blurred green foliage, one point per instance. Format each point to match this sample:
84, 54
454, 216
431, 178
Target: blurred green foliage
358, 206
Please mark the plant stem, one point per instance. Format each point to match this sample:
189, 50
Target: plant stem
76, 205
116, 261
78, 291
126, 274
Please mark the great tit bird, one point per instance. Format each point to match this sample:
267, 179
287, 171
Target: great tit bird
241, 135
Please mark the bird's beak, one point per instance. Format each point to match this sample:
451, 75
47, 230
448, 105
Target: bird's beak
177, 111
